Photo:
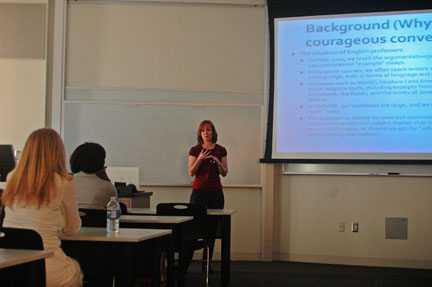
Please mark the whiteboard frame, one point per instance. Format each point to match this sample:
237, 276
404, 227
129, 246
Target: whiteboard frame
57, 99
226, 2
415, 170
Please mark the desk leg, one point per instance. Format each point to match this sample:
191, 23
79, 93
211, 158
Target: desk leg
156, 272
128, 276
36, 271
226, 250
181, 259
170, 274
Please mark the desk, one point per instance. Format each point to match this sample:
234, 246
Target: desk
224, 216
15, 262
152, 211
154, 219
89, 241
176, 223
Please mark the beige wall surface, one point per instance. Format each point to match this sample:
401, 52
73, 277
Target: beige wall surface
22, 30
22, 94
311, 208
22, 99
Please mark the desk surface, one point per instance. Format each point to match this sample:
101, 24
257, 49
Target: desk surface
123, 235
137, 194
154, 219
12, 257
209, 211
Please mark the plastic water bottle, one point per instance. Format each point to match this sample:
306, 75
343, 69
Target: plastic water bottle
113, 215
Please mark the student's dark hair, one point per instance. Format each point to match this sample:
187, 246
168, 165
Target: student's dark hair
88, 157
214, 132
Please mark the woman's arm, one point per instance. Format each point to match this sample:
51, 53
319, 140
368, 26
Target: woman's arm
195, 162
222, 165
70, 209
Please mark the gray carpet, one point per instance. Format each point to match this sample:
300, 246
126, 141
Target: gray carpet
281, 274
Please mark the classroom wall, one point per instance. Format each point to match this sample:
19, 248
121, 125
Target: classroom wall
22, 94
309, 209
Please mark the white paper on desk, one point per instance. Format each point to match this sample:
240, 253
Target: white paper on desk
130, 175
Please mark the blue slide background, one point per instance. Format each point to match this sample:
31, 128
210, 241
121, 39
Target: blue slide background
366, 90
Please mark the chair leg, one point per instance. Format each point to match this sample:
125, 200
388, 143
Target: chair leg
208, 266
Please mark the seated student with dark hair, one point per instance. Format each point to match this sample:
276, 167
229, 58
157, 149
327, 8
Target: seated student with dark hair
93, 187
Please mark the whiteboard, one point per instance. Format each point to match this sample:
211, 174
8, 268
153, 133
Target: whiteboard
128, 175
141, 76
157, 138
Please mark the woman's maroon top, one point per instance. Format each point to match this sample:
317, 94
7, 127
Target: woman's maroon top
207, 176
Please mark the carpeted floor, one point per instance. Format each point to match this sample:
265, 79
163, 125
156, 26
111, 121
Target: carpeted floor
281, 274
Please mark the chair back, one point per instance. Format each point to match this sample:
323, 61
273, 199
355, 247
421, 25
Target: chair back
182, 209
93, 217
123, 208
2, 213
18, 238
200, 227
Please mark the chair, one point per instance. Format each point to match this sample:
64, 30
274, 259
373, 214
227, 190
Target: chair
18, 238
93, 217
123, 207
2, 207
200, 231
97, 217
100, 274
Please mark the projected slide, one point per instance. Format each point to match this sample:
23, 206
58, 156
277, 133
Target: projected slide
353, 87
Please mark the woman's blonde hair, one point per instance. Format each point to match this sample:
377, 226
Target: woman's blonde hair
32, 182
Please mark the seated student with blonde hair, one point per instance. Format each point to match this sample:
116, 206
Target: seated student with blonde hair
93, 187
40, 195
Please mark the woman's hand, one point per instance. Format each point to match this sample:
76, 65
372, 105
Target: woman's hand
215, 159
222, 166
195, 162
205, 153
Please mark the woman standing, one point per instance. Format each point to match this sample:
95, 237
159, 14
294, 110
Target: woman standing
208, 160
40, 195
